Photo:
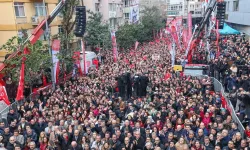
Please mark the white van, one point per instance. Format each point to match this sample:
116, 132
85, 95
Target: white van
90, 56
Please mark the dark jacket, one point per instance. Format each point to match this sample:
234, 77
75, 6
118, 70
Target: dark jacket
139, 145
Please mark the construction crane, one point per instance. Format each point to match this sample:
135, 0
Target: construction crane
199, 30
39, 30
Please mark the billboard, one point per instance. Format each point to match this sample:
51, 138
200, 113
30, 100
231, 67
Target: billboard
134, 14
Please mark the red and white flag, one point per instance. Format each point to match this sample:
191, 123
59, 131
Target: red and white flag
85, 67
3, 96
115, 53
136, 44
55, 52
190, 25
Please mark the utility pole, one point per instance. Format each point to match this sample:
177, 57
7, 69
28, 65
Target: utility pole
47, 34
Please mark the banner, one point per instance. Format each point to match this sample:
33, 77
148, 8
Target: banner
115, 53
3, 96
190, 26
175, 36
134, 14
77, 66
217, 39
173, 52
85, 68
55, 52
136, 44
20, 88
185, 38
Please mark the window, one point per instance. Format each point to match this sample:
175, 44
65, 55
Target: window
192, 12
60, 29
126, 3
228, 6
112, 7
20, 33
97, 7
126, 15
19, 9
40, 9
236, 6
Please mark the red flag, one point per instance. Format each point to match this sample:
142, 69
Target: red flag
20, 88
175, 36
184, 38
3, 95
44, 80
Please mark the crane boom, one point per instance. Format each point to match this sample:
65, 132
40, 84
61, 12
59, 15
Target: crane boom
39, 30
195, 40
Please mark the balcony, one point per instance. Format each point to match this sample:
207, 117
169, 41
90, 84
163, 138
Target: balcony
21, 20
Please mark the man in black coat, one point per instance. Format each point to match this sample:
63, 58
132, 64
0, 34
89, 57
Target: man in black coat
75, 146
115, 144
138, 142
77, 137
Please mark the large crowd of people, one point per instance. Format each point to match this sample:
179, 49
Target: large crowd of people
172, 111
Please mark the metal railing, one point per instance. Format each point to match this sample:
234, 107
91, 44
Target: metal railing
218, 87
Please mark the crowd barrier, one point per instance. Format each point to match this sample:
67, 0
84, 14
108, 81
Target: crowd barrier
218, 87
226, 103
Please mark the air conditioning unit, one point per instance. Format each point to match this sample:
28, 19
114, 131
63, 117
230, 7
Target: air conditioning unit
34, 19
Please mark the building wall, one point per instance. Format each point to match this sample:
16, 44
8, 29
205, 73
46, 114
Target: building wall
182, 7
238, 17
114, 17
10, 24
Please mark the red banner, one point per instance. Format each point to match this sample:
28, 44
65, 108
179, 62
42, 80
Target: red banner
175, 36
185, 38
190, 25
3, 95
115, 53
20, 88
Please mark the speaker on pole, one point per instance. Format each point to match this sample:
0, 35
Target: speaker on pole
80, 21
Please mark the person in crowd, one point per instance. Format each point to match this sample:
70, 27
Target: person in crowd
170, 112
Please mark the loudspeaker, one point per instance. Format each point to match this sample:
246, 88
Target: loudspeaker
80, 19
220, 16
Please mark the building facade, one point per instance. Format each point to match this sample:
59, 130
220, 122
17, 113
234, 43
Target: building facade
18, 15
161, 4
131, 11
183, 7
237, 15
112, 10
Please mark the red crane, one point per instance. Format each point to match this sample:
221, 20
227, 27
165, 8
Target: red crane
39, 30
199, 32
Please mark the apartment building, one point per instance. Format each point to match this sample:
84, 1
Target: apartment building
112, 10
161, 4
131, 11
16, 15
237, 15
183, 7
